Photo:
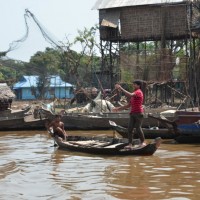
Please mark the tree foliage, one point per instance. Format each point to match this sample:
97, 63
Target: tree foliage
74, 67
79, 66
11, 70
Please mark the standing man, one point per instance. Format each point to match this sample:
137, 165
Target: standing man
136, 112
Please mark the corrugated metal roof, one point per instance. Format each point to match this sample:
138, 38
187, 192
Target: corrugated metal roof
31, 81
103, 4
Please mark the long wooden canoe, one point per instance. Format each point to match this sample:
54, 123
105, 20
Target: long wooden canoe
98, 121
149, 133
106, 146
14, 114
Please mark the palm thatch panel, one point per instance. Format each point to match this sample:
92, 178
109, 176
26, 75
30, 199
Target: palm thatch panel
5, 92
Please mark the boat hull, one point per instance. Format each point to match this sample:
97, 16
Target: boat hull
148, 133
99, 121
23, 123
186, 117
14, 114
114, 146
11, 124
185, 139
189, 129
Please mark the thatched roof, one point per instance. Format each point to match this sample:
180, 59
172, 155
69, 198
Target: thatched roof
6, 92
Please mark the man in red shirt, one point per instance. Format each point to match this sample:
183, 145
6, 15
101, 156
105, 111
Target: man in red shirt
136, 112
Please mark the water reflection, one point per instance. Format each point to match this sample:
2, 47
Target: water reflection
33, 169
8, 168
81, 174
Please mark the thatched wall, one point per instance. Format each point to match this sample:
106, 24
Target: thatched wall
142, 23
152, 66
6, 96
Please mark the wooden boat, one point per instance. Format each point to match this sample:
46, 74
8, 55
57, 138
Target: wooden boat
186, 126
11, 119
180, 117
189, 133
106, 146
189, 129
14, 114
188, 139
149, 133
10, 124
99, 121
186, 117
24, 123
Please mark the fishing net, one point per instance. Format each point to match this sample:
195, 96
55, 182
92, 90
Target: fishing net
46, 34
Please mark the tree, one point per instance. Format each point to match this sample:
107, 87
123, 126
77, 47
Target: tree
80, 65
11, 70
72, 66
44, 64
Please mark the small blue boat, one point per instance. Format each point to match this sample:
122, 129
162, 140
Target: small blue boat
189, 129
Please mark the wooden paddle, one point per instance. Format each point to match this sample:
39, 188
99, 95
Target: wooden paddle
51, 133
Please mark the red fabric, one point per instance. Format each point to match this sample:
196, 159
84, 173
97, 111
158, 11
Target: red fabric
136, 102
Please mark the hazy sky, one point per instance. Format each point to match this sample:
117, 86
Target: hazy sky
60, 17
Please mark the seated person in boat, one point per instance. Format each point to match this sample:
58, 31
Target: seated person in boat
58, 127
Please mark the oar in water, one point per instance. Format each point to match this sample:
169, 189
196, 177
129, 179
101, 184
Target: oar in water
51, 133
121, 130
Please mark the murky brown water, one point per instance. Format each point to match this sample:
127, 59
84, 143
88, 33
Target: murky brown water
31, 168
